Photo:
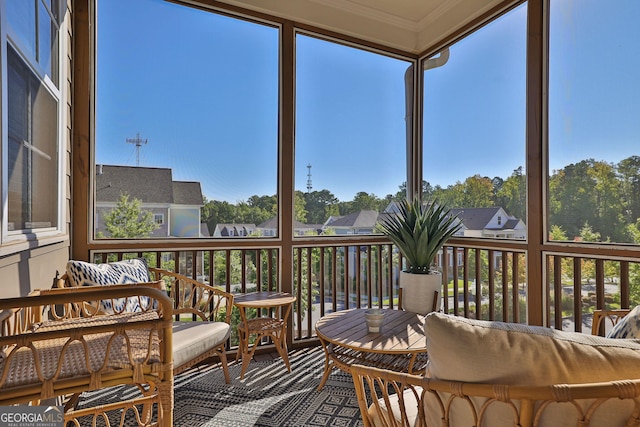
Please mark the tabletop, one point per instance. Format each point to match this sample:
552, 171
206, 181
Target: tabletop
401, 332
263, 299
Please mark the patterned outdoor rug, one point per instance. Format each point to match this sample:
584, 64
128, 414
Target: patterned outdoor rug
268, 396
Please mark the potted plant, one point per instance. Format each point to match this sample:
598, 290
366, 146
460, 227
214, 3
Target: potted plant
420, 230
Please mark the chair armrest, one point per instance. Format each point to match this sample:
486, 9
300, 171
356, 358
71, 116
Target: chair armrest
68, 303
197, 298
603, 317
418, 401
383, 386
70, 355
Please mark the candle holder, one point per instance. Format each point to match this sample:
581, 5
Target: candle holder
374, 318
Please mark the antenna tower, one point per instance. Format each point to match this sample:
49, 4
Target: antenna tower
309, 186
138, 141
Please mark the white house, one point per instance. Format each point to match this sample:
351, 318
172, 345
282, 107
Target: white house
492, 222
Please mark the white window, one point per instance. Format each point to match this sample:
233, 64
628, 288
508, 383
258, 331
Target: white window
32, 119
499, 220
158, 218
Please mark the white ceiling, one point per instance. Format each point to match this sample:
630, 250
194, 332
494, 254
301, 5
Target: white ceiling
408, 25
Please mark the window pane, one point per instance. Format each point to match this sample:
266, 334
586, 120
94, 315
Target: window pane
48, 44
474, 128
350, 136
187, 121
35, 34
594, 103
21, 16
32, 147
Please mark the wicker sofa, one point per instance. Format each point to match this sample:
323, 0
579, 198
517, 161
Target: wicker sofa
110, 324
202, 313
56, 343
497, 374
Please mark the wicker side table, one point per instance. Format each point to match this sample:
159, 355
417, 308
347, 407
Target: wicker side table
272, 327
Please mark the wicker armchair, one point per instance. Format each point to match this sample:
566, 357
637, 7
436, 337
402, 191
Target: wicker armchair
417, 401
495, 374
55, 343
605, 319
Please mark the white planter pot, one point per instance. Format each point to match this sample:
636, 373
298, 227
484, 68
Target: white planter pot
418, 291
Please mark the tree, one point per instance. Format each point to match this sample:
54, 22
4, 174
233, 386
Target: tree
629, 172
475, 192
634, 268
608, 202
217, 212
571, 198
219, 277
634, 231
512, 194
299, 211
427, 191
497, 183
320, 205
266, 204
557, 233
478, 192
128, 221
588, 265
452, 196
588, 235
364, 201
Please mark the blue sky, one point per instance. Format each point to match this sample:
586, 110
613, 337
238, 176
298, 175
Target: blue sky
201, 88
595, 91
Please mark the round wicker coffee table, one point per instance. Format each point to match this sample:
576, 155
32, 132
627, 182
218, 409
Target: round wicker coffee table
401, 344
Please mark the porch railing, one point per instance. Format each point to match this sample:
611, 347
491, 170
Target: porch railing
576, 285
485, 282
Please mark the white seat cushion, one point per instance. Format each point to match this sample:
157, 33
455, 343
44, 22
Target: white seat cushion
191, 339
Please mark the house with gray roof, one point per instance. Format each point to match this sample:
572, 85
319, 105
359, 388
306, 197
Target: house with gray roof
493, 223
360, 222
234, 230
175, 205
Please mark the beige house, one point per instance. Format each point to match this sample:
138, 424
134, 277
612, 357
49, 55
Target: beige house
175, 205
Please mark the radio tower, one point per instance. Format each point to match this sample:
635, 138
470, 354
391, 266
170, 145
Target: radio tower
138, 141
309, 186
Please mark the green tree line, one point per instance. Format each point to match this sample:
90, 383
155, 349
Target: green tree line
596, 196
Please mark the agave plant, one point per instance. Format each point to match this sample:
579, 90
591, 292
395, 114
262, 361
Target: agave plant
419, 231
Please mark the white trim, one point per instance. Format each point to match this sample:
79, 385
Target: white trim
12, 241
4, 118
